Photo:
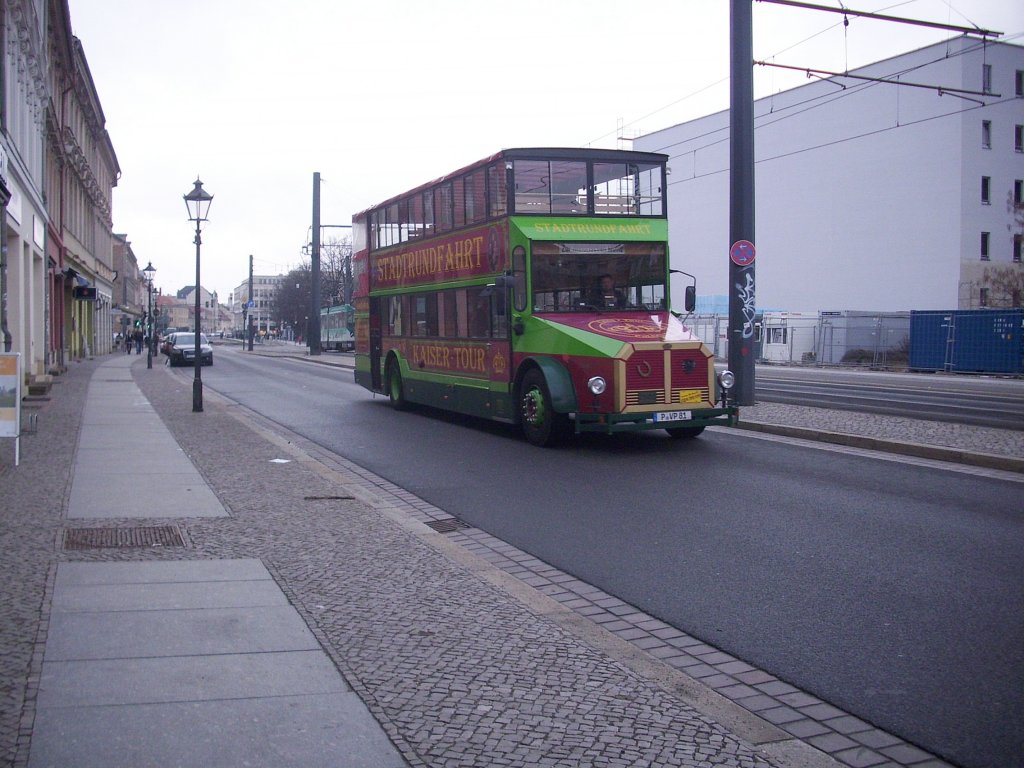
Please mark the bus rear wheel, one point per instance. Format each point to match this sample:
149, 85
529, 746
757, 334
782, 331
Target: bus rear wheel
396, 391
541, 424
684, 432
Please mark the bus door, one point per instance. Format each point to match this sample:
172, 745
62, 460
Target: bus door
500, 350
375, 344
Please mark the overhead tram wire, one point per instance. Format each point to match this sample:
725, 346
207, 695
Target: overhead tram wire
824, 99
973, 30
725, 79
940, 88
844, 140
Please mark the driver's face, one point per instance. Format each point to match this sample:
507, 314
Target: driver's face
607, 284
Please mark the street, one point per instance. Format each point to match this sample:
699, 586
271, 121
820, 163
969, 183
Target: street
891, 590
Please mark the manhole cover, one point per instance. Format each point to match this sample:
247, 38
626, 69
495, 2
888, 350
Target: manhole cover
447, 525
122, 538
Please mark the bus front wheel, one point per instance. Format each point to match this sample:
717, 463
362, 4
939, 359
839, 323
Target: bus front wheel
396, 391
541, 424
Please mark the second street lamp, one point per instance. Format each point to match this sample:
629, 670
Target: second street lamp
150, 325
198, 203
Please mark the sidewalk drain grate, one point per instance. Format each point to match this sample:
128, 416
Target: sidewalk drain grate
122, 538
448, 525
327, 498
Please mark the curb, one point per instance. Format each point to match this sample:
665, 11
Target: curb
939, 453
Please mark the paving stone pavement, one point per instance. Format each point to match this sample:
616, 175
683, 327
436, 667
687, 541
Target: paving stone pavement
467, 651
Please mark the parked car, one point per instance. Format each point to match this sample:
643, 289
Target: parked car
182, 349
165, 342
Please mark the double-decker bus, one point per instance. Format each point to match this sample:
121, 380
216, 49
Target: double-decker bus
336, 328
532, 287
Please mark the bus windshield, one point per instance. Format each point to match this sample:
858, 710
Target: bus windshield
588, 277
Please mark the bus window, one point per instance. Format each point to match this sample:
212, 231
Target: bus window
475, 211
499, 313
533, 191
568, 187
424, 317
519, 278
627, 189
448, 312
394, 315
443, 207
496, 191
416, 226
478, 309
461, 314
403, 220
391, 236
432, 329
428, 213
459, 202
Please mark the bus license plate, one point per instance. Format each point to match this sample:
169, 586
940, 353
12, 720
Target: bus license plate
672, 416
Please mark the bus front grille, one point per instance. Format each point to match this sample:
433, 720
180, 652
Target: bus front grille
676, 377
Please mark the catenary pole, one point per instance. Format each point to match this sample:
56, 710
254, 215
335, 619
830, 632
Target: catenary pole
248, 328
314, 310
742, 284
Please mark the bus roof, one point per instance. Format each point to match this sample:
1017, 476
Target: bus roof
538, 153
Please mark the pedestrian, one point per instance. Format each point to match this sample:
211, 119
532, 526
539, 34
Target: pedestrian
138, 341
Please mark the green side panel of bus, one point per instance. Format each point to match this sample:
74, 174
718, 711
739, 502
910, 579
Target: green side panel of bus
591, 230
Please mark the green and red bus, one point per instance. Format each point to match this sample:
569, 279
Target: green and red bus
532, 287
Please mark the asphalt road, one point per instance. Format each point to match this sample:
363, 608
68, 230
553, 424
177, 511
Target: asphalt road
894, 591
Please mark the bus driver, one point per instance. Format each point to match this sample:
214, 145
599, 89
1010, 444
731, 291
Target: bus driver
606, 295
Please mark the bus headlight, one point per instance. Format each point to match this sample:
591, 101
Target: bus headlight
726, 379
597, 385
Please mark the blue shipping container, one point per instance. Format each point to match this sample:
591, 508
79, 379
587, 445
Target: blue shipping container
968, 341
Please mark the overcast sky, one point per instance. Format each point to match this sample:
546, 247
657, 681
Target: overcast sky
254, 96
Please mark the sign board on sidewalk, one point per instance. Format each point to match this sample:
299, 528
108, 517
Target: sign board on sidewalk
10, 399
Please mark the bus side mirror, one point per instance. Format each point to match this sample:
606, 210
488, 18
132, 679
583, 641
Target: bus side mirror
690, 298
517, 326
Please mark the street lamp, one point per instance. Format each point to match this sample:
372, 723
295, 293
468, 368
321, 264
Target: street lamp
148, 271
198, 204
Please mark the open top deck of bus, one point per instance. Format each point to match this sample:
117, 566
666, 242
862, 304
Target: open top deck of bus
557, 154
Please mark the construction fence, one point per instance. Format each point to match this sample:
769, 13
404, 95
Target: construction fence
976, 341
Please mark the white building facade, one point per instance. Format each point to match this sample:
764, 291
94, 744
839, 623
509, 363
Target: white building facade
264, 291
869, 195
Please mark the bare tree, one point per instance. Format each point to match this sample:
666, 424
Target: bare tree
336, 271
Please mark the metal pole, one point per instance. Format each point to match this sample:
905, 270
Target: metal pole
149, 320
197, 382
314, 312
5, 198
248, 327
742, 308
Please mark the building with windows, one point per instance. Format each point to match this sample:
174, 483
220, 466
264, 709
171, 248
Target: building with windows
264, 291
871, 195
57, 173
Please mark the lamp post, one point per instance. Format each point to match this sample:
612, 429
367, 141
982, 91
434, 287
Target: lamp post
198, 204
148, 271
